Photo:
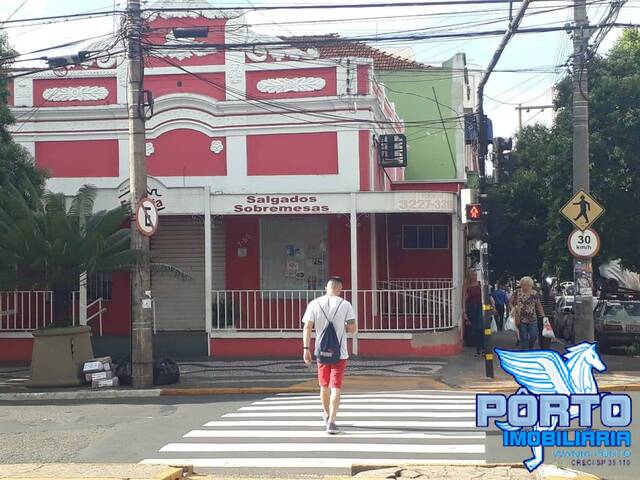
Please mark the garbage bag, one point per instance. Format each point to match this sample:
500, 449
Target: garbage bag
123, 372
165, 372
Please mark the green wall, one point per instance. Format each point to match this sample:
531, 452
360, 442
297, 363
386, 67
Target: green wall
429, 156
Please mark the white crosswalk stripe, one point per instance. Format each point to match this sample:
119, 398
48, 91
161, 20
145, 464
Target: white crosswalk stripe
286, 433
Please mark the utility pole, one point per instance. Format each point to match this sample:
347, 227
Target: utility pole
583, 310
141, 331
482, 157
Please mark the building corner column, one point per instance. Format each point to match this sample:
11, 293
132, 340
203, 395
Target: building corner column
353, 228
457, 269
208, 266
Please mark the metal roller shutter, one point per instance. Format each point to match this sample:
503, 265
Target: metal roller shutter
218, 254
180, 305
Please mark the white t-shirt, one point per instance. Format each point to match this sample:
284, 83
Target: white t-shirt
332, 305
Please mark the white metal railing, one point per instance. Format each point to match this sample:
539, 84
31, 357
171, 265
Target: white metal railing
405, 309
25, 310
415, 283
378, 310
75, 300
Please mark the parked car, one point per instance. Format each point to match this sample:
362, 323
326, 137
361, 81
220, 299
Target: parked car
617, 323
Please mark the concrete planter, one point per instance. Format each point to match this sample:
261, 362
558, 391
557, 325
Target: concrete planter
58, 356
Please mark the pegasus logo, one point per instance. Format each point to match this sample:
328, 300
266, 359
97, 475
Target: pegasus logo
555, 389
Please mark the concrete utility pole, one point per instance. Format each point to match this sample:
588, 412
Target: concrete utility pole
583, 310
141, 331
482, 157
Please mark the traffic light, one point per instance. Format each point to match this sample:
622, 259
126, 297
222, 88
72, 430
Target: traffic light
476, 219
474, 212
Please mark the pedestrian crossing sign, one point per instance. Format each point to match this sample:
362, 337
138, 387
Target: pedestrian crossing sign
582, 210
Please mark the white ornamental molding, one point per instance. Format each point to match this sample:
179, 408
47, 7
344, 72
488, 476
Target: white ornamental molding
70, 94
149, 149
217, 146
235, 74
260, 53
181, 53
296, 84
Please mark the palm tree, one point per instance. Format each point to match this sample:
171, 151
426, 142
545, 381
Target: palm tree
47, 243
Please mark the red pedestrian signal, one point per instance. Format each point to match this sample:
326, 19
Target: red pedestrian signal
474, 212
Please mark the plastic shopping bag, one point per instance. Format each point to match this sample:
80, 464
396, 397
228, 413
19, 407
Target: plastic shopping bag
494, 327
510, 324
547, 330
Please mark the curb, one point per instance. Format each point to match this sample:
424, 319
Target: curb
545, 472
54, 471
213, 391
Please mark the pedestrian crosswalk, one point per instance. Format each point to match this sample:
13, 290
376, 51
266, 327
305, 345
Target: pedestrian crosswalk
286, 433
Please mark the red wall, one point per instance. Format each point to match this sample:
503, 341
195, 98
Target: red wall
185, 152
363, 80
328, 74
242, 273
417, 263
39, 86
117, 319
293, 154
86, 158
162, 26
16, 350
208, 84
364, 142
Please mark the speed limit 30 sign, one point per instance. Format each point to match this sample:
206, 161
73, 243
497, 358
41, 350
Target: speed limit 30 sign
584, 244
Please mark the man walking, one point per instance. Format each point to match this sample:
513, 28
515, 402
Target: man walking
501, 299
322, 313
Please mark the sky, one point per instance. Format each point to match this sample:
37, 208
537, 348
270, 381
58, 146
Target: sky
505, 90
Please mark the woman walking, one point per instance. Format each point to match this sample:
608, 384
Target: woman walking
525, 305
473, 310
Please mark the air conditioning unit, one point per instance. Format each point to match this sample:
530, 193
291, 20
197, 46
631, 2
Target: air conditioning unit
392, 150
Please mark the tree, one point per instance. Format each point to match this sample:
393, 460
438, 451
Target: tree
45, 244
16, 165
531, 235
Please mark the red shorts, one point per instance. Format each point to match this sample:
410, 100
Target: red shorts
331, 375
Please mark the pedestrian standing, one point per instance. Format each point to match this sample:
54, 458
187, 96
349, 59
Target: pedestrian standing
473, 310
327, 314
525, 303
501, 299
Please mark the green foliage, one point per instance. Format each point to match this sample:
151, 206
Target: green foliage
539, 176
16, 165
49, 246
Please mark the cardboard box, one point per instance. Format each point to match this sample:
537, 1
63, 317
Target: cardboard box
101, 375
106, 382
101, 364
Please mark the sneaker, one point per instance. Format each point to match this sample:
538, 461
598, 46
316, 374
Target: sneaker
332, 429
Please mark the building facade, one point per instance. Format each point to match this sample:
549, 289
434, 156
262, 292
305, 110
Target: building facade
263, 162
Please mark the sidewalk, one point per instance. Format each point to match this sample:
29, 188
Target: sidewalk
154, 472
210, 377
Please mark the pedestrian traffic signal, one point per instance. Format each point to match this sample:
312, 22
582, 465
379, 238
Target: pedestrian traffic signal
474, 212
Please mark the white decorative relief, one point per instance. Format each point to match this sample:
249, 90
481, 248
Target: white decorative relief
217, 146
235, 73
260, 53
181, 53
149, 149
296, 84
69, 94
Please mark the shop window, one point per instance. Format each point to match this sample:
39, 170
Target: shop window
293, 253
425, 237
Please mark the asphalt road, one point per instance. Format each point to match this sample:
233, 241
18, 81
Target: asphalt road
275, 435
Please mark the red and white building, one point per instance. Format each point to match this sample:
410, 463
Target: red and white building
265, 172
